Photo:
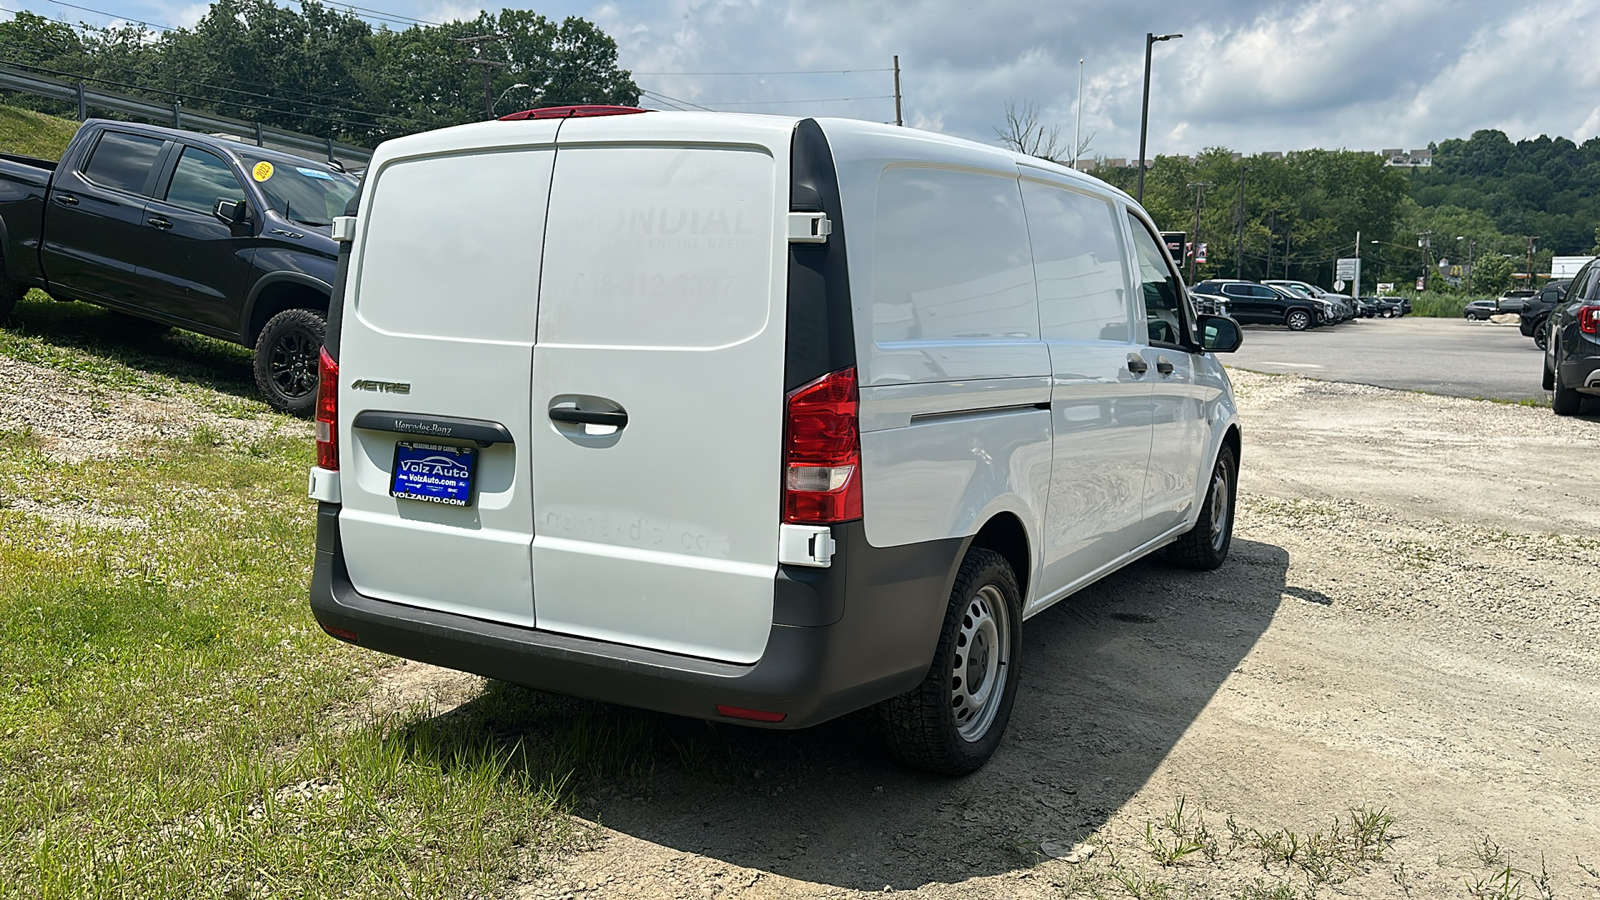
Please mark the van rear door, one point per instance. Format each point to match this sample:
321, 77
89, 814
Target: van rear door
439, 328
658, 398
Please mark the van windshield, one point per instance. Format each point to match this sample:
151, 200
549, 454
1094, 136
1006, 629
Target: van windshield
306, 193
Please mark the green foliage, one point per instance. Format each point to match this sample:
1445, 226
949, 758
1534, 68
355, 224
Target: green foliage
34, 134
326, 72
1491, 274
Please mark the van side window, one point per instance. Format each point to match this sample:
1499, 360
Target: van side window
123, 161
1078, 264
951, 258
1163, 295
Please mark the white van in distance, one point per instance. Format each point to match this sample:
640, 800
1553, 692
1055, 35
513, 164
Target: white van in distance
753, 418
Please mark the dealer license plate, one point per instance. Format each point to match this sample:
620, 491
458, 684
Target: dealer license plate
433, 473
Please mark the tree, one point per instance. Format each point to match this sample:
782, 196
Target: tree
1491, 274
1024, 134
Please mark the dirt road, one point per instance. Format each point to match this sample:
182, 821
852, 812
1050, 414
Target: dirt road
1409, 628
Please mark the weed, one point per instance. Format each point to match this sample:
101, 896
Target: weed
1323, 856
1181, 835
1503, 884
1490, 853
1140, 886
1593, 872
1261, 890
206, 436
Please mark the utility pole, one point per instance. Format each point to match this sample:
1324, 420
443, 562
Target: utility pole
479, 43
899, 118
1194, 241
1357, 291
1272, 231
1531, 240
1238, 250
1286, 230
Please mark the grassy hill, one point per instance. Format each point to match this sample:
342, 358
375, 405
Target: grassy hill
34, 134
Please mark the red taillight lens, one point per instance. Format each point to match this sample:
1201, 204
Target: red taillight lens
822, 452
1589, 319
754, 715
328, 412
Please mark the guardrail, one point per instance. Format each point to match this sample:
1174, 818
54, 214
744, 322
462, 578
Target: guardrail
179, 117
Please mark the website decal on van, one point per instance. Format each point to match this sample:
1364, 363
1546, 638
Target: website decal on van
432, 473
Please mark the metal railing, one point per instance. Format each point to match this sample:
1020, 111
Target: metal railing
264, 135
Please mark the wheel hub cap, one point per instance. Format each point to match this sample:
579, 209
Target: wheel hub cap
982, 653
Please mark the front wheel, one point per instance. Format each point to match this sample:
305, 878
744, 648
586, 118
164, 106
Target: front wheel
1298, 320
1205, 546
1541, 335
952, 722
287, 360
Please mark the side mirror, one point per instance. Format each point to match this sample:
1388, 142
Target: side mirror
235, 213
1219, 334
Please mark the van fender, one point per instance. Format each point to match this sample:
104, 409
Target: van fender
1224, 421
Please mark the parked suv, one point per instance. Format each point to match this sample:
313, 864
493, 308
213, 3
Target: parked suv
1262, 304
183, 229
1536, 310
1572, 350
755, 419
1345, 302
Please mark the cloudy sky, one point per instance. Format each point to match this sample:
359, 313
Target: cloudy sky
1250, 75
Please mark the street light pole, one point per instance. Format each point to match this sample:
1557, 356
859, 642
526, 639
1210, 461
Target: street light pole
1077, 132
496, 105
1150, 39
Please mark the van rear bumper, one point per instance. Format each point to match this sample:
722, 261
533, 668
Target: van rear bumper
843, 638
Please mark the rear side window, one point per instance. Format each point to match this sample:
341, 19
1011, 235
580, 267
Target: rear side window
200, 180
951, 259
1078, 264
1236, 290
123, 161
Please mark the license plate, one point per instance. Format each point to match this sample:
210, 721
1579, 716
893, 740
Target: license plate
433, 473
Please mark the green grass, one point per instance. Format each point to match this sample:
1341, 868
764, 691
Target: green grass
172, 721
34, 134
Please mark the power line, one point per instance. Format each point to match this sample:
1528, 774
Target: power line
821, 100
797, 72
674, 100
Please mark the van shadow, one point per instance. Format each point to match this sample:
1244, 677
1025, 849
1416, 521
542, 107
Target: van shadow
181, 355
1112, 678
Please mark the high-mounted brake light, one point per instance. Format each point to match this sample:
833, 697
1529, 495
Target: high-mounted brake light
573, 112
822, 451
327, 412
1589, 319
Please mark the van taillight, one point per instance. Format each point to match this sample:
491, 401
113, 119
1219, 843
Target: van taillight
327, 412
822, 451
1589, 319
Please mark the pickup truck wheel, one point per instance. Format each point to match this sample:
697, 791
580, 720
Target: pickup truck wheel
1541, 335
286, 359
11, 294
952, 722
1205, 546
1297, 320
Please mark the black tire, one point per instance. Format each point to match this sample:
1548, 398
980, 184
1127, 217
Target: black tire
1541, 334
287, 358
1564, 401
1297, 320
939, 726
11, 293
1205, 546
1549, 375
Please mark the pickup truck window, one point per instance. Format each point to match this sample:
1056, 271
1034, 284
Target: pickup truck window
123, 161
200, 180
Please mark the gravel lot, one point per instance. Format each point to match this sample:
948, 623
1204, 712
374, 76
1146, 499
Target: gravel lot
1408, 622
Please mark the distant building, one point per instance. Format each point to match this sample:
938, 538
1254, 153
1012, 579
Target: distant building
1415, 159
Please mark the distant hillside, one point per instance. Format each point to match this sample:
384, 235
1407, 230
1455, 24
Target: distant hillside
34, 134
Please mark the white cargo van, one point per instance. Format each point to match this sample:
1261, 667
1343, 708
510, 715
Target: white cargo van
753, 418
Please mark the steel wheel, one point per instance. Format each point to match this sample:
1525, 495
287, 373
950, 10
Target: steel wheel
1221, 507
983, 653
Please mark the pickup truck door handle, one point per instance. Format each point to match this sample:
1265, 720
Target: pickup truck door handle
161, 222
66, 200
577, 416
1163, 365
1137, 365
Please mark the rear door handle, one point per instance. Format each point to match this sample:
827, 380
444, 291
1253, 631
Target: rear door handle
66, 200
1137, 365
577, 416
161, 222
1163, 365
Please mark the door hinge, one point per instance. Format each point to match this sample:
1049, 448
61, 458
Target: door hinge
805, 545
809, 228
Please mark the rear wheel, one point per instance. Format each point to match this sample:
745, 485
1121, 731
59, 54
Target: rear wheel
1205, 546
1541, 336
287, 358
1297, 320
11, 293
952, 722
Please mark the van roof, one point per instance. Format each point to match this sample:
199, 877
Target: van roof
690, 125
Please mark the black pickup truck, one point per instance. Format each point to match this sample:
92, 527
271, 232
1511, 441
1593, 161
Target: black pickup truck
183, 229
